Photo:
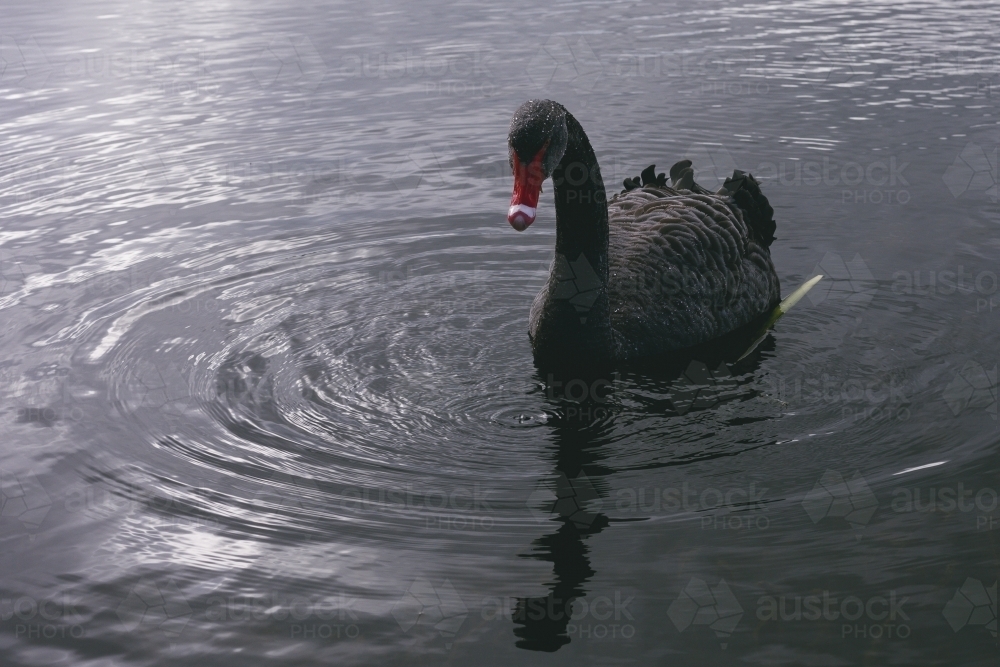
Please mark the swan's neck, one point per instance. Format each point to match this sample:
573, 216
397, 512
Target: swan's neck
581, 203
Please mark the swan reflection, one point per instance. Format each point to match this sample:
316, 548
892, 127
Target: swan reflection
572, 499
573, 505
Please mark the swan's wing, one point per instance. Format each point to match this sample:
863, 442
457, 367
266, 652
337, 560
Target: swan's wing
685, 268
741, 189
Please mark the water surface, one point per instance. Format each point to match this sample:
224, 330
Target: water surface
268, 394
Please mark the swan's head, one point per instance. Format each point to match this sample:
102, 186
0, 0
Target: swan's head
535, 146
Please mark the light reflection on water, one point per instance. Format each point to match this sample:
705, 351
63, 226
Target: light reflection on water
264, 357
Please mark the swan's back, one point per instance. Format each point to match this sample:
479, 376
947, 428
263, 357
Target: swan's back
687, 267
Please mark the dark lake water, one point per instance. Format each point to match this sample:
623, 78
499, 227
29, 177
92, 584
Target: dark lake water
268, 396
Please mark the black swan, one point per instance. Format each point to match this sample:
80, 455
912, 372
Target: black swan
654, 269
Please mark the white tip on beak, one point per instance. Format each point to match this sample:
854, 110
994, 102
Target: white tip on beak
520, 216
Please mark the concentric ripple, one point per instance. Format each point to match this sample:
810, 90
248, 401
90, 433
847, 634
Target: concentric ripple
336, 371
264, 332
325, 361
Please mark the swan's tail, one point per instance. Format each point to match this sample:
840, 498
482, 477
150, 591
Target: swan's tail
757, 211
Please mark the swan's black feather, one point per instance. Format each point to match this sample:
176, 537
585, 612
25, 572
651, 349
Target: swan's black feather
649, 175
687, 266
675, 171
757, 211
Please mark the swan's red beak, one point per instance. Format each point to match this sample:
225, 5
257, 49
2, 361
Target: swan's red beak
527, 186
